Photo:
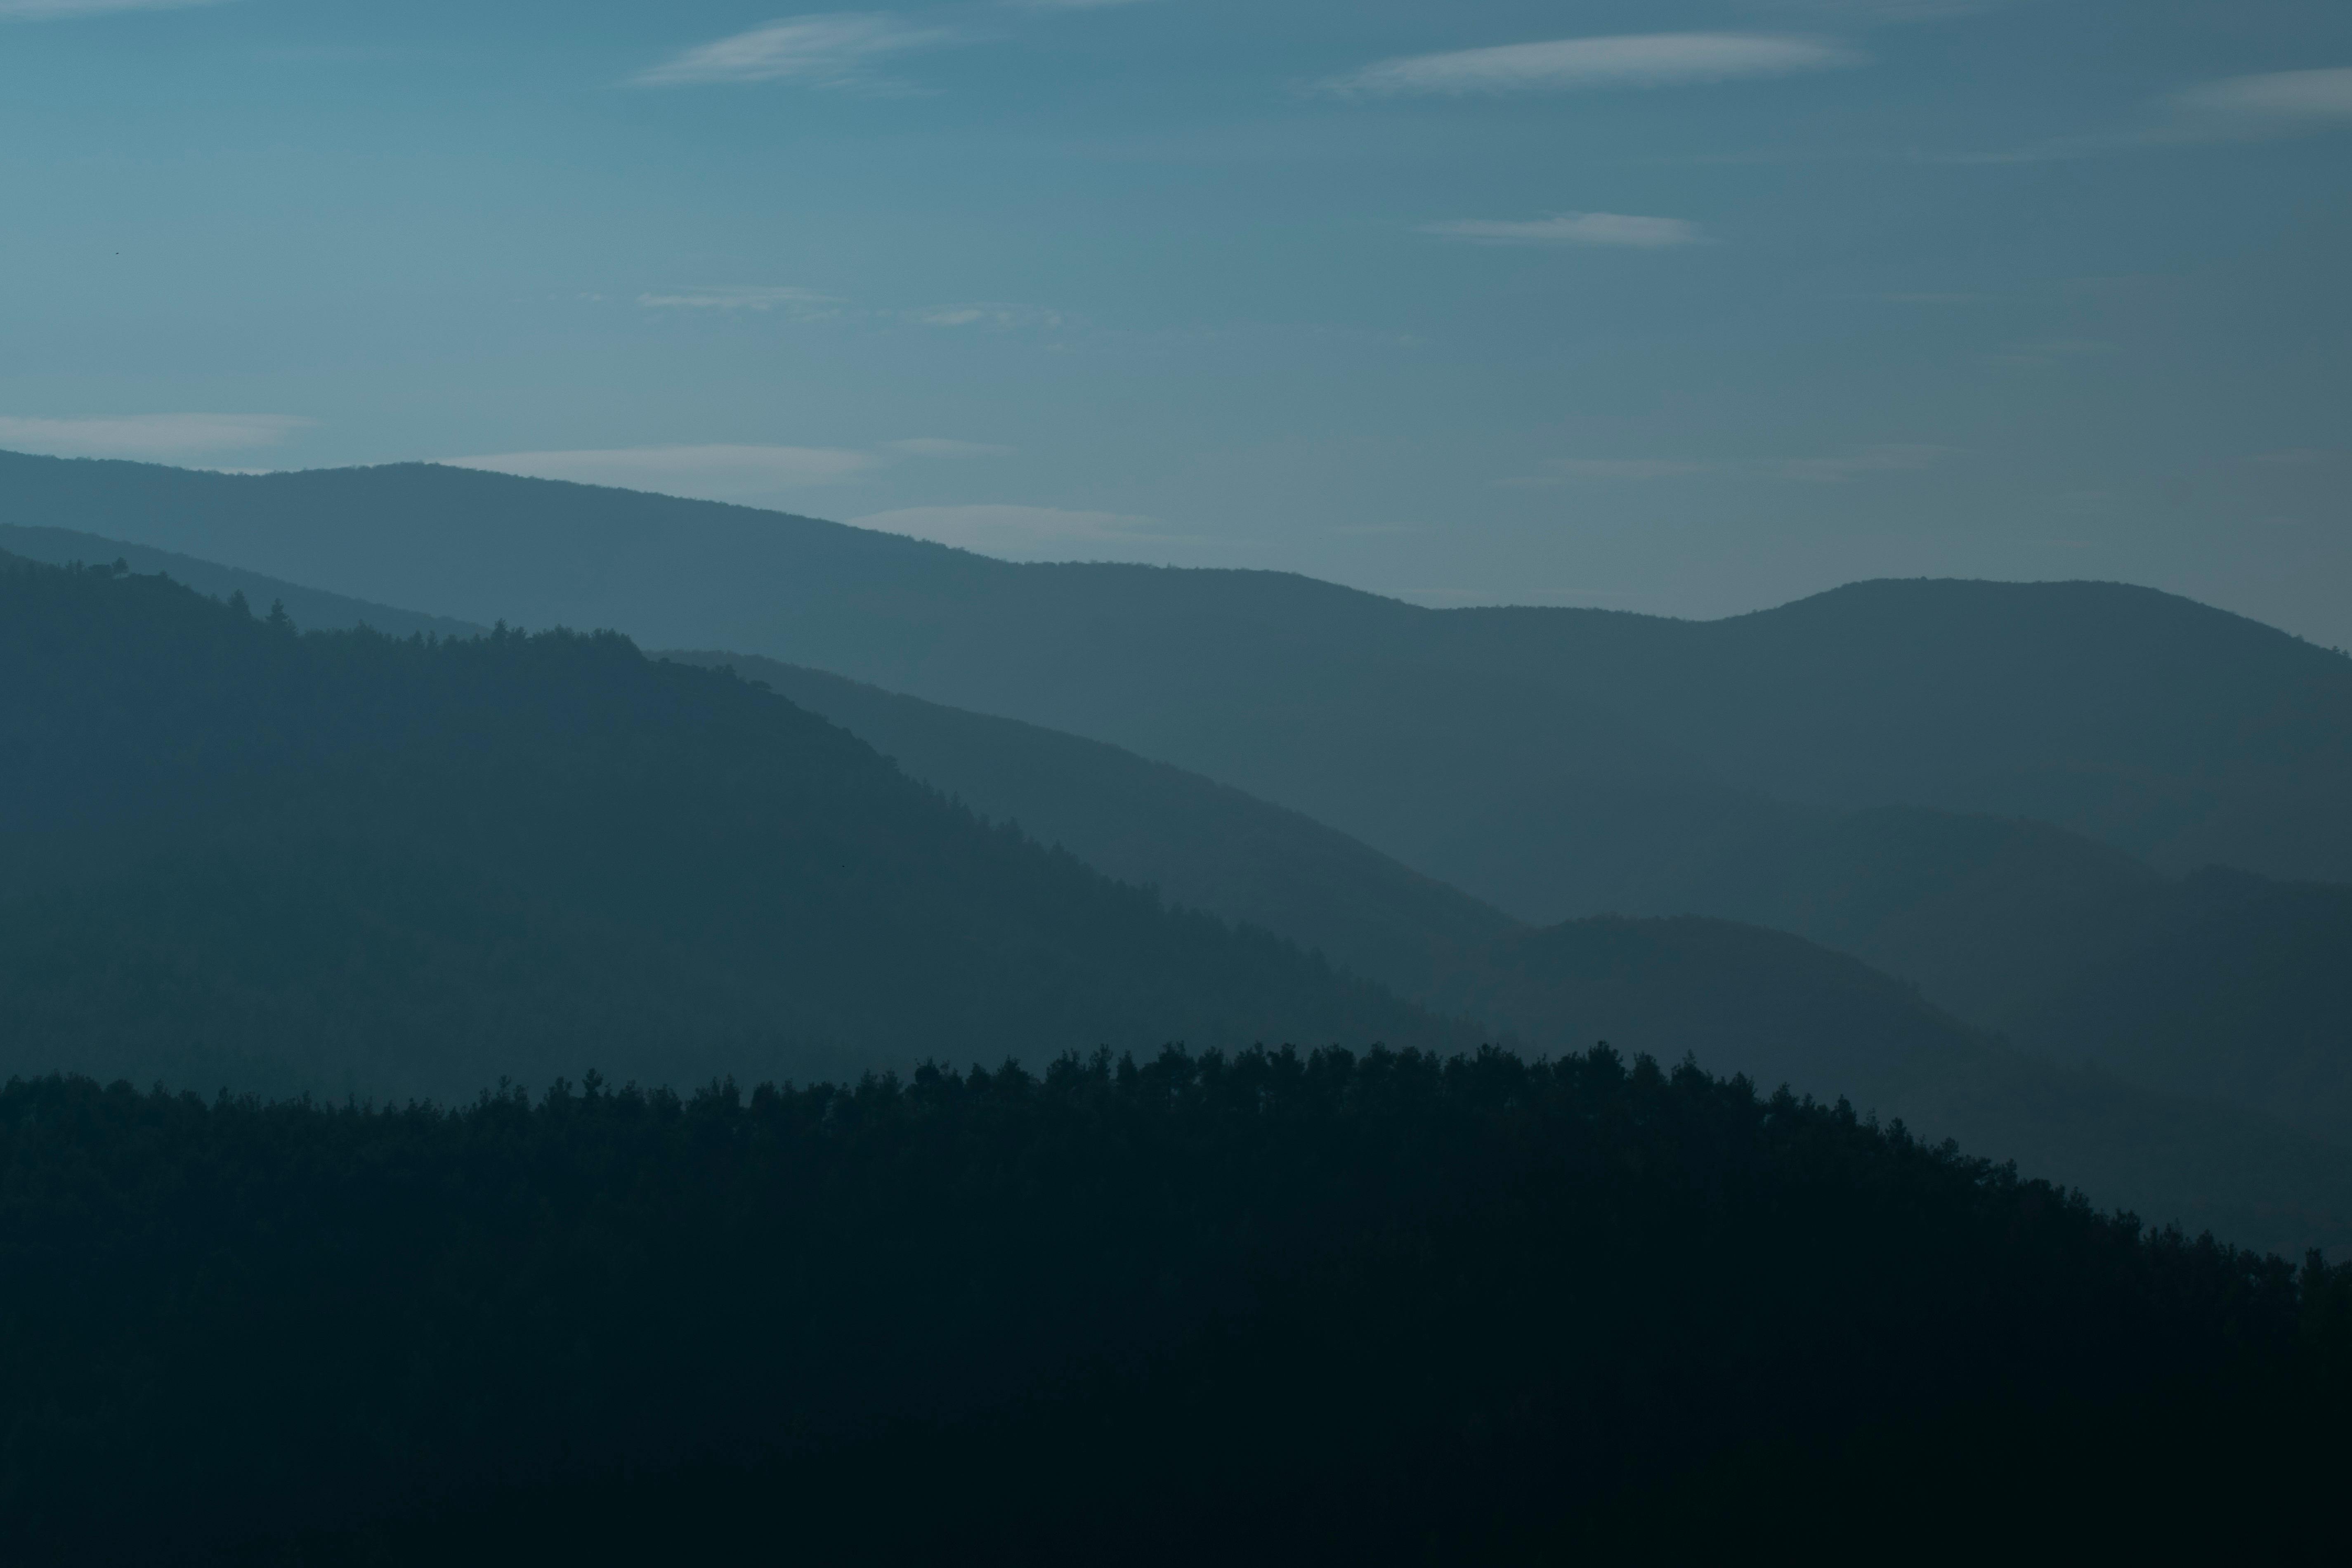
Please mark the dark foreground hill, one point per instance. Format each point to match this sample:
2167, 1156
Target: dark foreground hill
1551, 761
233, 853
1264, 1307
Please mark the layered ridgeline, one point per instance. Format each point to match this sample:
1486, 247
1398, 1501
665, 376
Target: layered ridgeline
1263, 1308
1550, 761
231, 853
340, 863
2217, 985
1738, 999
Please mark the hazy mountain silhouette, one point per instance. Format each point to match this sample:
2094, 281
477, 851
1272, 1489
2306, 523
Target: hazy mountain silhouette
1994, 909
240, 855
2016, 927
2219, 984
2242, 990
310, 609
1202, 844
231, 853
1552, 762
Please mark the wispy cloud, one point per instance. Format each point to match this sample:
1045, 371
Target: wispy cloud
1645, 59
2279, 103
998, 316
1893, 459
1574, 228
2050, 350
147, 435
706, 472
2261, 108
1025, 531
1869, 13
832, 49
1627, 467
797, 301
940, 447
1889, 459
58, 10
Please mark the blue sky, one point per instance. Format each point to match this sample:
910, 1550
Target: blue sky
1683, 308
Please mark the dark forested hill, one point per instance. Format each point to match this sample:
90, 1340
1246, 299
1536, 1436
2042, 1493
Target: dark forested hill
232, 853
1268, 1308
1551, 761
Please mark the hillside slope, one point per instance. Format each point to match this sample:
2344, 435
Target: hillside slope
2244, 995
234, 854
1202, 844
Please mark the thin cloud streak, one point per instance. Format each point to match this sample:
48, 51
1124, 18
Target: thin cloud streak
2283, 101
940, 446
754, 299
832, 49
1001, 317
62, 10
2267, 107
147, 435
1891, 458
1574, 229
1646, 59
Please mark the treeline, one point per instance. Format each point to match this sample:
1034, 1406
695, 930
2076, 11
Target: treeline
1255, 1306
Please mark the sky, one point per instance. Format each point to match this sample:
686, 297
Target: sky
1689, 309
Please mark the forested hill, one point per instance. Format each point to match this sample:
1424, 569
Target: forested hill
231, 853
1261, 1308
1551, 761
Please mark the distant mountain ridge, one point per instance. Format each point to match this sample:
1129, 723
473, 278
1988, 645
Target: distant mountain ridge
311, 609
2182, 1159
1551, 761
